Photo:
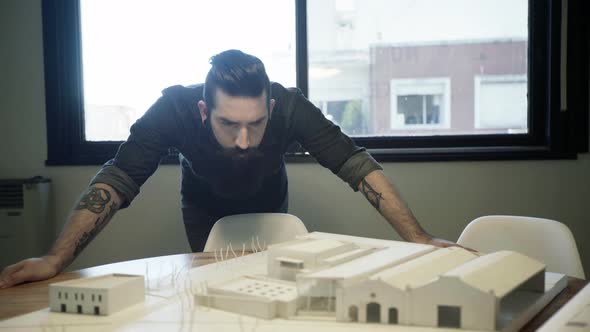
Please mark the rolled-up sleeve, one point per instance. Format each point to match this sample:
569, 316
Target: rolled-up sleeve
119, 180
357, 167
329, 145
138, 157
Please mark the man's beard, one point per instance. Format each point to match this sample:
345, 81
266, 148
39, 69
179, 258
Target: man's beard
233, 173
236, 173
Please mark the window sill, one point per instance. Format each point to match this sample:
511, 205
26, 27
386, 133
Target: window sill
385, 155
452, 154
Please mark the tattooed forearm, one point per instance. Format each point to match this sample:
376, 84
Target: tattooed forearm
94, 199
99, 224
372, 196
86, 238
112, 209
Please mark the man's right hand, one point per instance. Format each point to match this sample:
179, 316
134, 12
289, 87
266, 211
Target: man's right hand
32, 269
90, 215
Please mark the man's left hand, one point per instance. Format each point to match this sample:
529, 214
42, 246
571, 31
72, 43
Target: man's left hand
442, 243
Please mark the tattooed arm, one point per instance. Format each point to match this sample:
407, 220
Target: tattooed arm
89, 216
381, 193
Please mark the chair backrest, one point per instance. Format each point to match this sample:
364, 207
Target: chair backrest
253, 229
545, 240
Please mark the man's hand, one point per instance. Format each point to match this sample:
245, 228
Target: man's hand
442, 243
382, 194
90, 215
32, 269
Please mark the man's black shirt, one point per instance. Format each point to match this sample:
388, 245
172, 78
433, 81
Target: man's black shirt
174, 121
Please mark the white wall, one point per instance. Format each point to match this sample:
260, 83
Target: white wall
445, 196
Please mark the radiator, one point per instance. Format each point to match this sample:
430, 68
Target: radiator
26, 228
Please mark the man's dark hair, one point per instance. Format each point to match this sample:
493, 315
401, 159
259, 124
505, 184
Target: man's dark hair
237, 74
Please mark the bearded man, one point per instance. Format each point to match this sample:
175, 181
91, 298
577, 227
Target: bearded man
231, 133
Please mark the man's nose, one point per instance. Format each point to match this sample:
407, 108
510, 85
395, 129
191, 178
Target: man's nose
242, 140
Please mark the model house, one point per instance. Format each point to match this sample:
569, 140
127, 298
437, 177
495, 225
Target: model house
472, 295
254, 296
286, 260
320, 289
385, 297
103, 295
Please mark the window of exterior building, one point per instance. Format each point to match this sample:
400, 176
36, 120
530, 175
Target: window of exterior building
420, 103
501, 103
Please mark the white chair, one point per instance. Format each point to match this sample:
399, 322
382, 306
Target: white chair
253, 229
545, 240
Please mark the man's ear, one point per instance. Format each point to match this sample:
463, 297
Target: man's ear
203, 110
271, 107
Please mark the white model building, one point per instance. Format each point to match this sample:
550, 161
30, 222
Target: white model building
385, 297
103, 295
375, 281
253, 296
320, 289
471, 295
286, 260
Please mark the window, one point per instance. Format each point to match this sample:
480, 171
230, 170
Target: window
291, 264
501, 103
428, 82
420, 104
121, 81
414, 70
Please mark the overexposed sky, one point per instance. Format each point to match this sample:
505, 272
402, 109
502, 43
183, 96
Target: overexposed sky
132, 49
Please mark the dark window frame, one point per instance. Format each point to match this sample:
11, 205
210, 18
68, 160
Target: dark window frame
554, 134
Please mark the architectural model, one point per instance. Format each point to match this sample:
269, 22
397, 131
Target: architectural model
102, 295
321, 281
374, 281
